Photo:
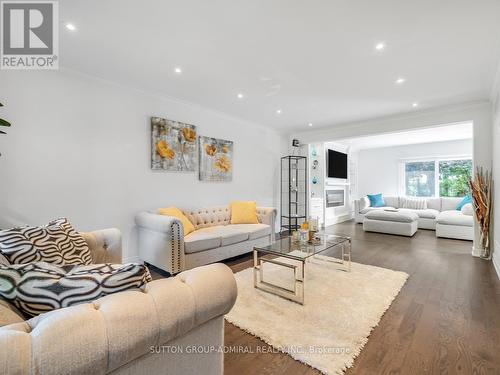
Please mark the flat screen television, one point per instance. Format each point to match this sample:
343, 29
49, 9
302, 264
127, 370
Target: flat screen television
336, 164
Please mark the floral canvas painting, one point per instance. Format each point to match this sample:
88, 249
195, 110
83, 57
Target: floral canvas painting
173, 145
216, 159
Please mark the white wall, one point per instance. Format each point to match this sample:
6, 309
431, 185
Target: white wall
379, 168
80, 147
495, 99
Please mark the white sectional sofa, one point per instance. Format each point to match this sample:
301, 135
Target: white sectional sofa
440, 215
163, 244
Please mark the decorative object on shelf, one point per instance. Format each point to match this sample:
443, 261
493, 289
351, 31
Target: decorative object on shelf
216, 159
294, 184
315, 164
295, 143
314, 153
3, 123
481, 190
173, 145
315, 180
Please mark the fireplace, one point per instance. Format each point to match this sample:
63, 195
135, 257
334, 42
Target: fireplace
335, 198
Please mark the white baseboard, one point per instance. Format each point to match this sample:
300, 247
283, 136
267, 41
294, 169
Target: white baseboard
338, 219
132, 259
496, 258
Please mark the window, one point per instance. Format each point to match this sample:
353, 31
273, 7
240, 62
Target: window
420, 179
454, 177
441, 177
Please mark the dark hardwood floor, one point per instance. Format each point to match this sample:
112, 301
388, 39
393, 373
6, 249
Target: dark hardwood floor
446, 319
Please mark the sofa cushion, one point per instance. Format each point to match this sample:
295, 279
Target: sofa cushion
448, 204
428, 213
230, 235
368, 209
467, 199
454, 217
57, 243
201, 240
434, 203
209, 217
392, 201
223, 235
397, 216
9, 314
413, 203
35, 288
244, 212
254, 230
376, 200
467, 209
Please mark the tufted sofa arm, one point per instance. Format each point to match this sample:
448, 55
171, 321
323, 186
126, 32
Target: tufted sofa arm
100, 337
161, 240
105, 245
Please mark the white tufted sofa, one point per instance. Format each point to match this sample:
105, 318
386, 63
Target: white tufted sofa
132, 332
162, 242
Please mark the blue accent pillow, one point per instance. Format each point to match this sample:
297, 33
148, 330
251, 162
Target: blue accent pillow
376, 200
463, 202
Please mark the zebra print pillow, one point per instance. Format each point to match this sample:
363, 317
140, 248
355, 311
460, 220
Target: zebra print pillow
36, 288
56, 243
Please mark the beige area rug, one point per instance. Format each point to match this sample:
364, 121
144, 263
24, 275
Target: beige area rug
340, 311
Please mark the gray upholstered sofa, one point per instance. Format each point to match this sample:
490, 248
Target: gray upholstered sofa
163, 244
132, 332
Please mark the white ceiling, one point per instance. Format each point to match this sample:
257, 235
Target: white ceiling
315, 60
428, 135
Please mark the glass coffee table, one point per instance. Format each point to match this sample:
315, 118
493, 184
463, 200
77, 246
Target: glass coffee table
296, 253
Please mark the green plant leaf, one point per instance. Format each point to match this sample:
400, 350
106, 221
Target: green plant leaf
1, 132
4, 123
1, 105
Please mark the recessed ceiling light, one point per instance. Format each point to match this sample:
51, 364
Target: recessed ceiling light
71, 27
278, 111
240, 96
400, 80
415, 105
310, 124
380, 46
178, 70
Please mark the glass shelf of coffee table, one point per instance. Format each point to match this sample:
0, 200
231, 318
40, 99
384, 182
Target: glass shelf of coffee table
291, 254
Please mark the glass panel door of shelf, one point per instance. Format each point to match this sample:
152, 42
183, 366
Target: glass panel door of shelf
293, 192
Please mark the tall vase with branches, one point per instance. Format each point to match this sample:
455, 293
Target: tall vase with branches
3, 123
481, 190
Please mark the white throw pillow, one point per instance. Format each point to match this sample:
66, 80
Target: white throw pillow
414, 203
467, 209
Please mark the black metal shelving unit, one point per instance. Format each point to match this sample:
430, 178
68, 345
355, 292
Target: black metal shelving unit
293, 192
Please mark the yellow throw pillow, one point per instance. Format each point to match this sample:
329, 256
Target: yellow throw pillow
175, 212
244, 213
